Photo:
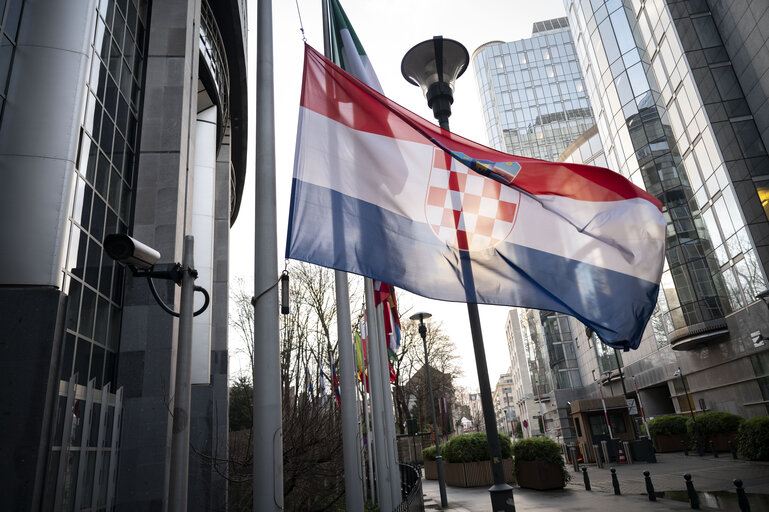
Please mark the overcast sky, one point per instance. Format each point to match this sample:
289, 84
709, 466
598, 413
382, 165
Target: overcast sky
387, 30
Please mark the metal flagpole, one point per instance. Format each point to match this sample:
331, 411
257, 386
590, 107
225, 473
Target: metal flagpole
268, 428
352, 491
369, 424
389, 415
377, 403
353, 494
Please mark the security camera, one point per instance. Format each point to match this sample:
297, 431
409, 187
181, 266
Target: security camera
130, 252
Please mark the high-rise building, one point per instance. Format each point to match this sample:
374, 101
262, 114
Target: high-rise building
678, 111
532, 93
116, 116
535, 105
678, 93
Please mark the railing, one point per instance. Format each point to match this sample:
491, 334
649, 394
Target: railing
411, 489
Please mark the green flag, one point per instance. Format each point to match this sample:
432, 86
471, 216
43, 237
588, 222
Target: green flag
347, 51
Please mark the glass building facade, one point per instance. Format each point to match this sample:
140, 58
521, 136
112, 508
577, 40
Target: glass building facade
533, 96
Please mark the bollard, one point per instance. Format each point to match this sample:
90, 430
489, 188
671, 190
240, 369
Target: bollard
597, 456
615, 482
587, 478
685, 448
649, 487
574, 461
713, 449
732, 449
694, 501
742, 499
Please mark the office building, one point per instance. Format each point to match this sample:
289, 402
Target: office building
116, 116
677, 90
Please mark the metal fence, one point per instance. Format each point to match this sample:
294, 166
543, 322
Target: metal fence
411, 489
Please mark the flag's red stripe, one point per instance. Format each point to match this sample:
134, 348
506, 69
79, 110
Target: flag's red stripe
331, 92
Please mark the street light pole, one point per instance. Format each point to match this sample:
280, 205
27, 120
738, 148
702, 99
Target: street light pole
438, 459
434, 65
700, 447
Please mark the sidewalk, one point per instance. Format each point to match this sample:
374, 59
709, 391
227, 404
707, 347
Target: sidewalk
708, 474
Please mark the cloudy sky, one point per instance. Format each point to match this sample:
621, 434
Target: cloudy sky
387, 30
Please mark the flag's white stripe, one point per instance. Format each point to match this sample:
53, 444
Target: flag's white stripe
355, 64
357, 170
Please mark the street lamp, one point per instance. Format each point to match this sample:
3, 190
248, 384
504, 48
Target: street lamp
700, 447
434, 65
438, 459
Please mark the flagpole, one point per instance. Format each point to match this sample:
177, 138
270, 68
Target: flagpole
389, 416
377, 402
267, 425
353, 493
369, 437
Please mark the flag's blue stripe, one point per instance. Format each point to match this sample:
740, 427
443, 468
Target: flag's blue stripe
382, 245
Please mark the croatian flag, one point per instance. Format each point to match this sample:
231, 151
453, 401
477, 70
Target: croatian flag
381, 192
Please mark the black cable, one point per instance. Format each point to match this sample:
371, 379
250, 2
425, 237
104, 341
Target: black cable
206, 299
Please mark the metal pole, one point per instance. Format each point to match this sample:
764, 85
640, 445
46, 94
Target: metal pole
438, 458
700, 447
501, 493
377, 405
369, 438
621, 377
268, 426
180, 437
352, 491
641, 405
605, 412
389, 416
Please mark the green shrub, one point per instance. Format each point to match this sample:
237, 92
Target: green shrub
473, 448
428, 453
667, 425
753, 439
710, 423
542, 449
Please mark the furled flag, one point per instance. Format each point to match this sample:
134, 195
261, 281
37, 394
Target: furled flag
385, 294
381, 192
359, 355
335, 385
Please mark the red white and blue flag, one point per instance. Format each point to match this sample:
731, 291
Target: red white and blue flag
381, 192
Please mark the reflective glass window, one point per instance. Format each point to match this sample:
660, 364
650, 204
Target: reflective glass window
706, 30
748, 138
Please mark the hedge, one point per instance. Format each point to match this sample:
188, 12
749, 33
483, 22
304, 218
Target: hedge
540, 449
473, 448
714, 422
753, 439
667, 425
428, 453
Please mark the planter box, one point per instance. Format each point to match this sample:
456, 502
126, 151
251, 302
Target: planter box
474, 474
431, 470
669, 443
721, 441
539, 475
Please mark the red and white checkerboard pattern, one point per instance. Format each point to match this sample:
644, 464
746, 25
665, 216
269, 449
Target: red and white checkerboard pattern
466, 210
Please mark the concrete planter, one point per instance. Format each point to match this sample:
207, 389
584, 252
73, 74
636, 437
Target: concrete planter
475, 474
431, 470
539, 475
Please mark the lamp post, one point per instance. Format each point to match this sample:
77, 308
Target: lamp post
434, 65
700, 447
438, 459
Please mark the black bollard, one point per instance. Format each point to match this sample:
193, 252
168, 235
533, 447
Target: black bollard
649, 487
685, 448
586, 478
694, 501
713, 449
732, 449
742, 499
615, 482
